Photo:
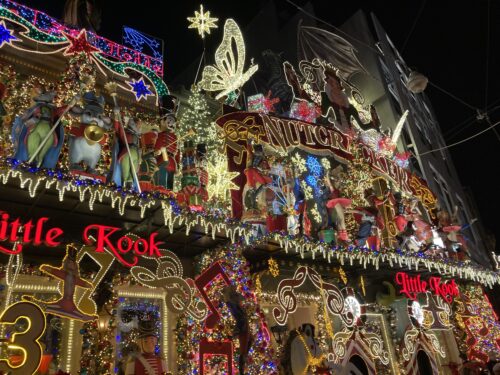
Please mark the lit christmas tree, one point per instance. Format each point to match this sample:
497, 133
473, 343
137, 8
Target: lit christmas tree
97, 349
196, 116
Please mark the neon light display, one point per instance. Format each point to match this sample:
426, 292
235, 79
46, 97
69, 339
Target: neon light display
140, 89
5, 34
43, 28
139, 41
36, 232
411, 286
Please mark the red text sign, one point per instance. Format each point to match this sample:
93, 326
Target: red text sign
411, 286
32, 232
37, 232
122, 245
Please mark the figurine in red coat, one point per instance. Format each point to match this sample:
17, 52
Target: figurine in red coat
166, 147
147, 362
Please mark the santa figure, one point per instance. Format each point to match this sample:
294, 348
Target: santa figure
147, 362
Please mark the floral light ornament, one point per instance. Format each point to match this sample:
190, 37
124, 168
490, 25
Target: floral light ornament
202, 22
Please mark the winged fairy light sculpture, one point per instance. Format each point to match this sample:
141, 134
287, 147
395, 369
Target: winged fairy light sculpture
228, 75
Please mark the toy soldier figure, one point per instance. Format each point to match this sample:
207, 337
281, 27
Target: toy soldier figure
148, 167
166, 147
147, 362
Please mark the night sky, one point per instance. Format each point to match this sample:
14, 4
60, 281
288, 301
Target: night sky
449, 44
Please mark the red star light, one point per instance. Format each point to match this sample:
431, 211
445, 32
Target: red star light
79, 44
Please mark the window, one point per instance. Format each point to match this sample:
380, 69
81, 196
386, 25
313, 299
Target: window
442, 191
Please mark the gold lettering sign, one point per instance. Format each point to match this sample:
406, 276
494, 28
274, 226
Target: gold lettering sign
287, 134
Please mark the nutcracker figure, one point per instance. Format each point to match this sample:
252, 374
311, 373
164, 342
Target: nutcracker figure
149, 166
147, 362
166, 146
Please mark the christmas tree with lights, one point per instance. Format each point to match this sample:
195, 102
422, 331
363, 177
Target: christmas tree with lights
196, 116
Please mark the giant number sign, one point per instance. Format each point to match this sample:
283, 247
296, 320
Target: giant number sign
25, 341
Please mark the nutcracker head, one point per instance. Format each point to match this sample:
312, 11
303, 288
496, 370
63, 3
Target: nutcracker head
169, 105
201, 151
167, 111
129, 122
168, 123
147, 336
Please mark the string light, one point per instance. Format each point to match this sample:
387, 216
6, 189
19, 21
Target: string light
227, 75
220, 180
51, 32
390, 349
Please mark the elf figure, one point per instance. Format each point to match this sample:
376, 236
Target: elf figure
337, 204
369, 220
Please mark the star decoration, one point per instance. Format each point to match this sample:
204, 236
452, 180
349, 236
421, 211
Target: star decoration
202, 21
140, 89
342, 275
5, 34
79, 44
273, 267
220, 179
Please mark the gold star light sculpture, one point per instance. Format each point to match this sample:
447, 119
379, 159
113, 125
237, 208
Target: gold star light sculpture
220, 180
202, 21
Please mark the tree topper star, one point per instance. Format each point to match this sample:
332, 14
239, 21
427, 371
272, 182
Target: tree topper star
79, 44
5, 34
140, 89
202, 21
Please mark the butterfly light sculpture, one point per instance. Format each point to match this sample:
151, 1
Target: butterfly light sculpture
228, 75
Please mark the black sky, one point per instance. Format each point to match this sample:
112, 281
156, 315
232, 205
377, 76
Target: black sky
448, 44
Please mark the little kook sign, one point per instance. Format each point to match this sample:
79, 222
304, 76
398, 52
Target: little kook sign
411, 286
37, 232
